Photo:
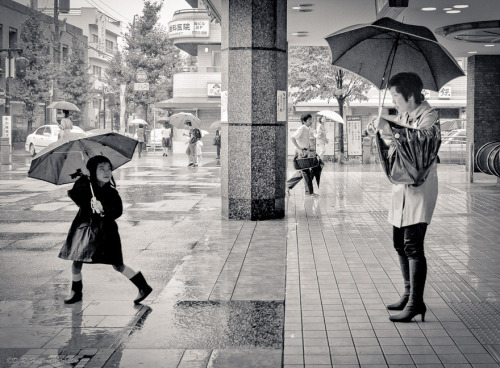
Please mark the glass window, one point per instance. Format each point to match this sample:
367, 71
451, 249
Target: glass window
39, 131
95, 38
96, 70
65, 52
12, 38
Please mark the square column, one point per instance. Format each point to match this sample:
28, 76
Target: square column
254, 69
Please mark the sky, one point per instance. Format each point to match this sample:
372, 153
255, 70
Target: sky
124, 10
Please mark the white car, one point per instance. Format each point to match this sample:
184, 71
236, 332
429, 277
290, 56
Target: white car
45, 135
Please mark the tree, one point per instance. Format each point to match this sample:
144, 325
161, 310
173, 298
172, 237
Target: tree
148, 48
74, 79
311, 75
33, 87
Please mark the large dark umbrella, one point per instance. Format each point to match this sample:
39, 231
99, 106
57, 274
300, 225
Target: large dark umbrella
387, 47
60, 159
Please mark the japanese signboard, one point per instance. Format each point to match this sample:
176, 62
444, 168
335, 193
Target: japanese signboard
354, 136
281, 106
141, 76
189, 28
6, 128
101, 29
213, 89
141, 86
223, 106
445, 92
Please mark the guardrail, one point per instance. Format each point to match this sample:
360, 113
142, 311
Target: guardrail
488, 158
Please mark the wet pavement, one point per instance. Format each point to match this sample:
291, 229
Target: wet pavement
305, 291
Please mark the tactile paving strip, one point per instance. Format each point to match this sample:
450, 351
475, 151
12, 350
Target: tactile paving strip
483, 319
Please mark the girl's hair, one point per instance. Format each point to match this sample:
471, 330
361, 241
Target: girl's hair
92, 164
66, 113
141, 126
188, 123
304, 117
408, 84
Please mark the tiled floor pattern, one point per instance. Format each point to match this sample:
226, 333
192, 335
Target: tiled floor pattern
342, 271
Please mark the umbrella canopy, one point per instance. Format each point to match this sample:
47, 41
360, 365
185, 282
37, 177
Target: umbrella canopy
387, 47
215, 125
63, 105
138, 121
60, 159
178, 120
164, 121
332, 115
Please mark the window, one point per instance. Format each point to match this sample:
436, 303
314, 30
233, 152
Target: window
1, 37
39, 131
65, 52
96, 70
216, 58
110, 46
12, 38
95, 38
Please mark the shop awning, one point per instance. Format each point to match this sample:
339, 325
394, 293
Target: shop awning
190, 102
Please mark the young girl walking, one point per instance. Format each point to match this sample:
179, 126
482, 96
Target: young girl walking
93, 236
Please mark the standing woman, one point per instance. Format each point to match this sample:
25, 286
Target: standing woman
93, 236
166, 134
320, 135
412, 204
65, 125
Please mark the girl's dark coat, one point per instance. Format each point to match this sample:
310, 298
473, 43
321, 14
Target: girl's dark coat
92, 238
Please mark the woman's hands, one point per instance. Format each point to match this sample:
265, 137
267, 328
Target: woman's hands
96, 206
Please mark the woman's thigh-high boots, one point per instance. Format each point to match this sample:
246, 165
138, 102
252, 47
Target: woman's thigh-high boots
76, 293
415, 305
405, 270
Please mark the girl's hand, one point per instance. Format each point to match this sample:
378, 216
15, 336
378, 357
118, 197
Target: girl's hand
96, 205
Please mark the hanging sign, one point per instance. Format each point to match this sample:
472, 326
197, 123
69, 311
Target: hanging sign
281, 106
223, 106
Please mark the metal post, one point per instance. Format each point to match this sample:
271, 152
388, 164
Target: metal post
104, 104
471, 162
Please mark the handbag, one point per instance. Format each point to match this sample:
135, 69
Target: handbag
409, 156
216, 141
304, 163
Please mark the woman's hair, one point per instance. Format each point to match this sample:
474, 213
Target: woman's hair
217, 132
304, 117
321, 118
165, 125
408, 84
92, 164
66, 113
188, 122
141, 126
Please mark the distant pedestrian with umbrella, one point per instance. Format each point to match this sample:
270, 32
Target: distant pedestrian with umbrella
217, 142
93, 236
141, 138
65, 126
166, 138
320, 135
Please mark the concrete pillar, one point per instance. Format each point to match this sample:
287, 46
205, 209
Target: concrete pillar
254, 69
483, 108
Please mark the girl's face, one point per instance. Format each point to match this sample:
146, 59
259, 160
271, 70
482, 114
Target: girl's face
103, 173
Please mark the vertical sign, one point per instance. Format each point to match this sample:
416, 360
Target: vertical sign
223, 106
354, 139
6, 128
101, 30
281, 105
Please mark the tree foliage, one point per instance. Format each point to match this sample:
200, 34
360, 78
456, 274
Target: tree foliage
32, 89
74, 78
311, 75
148, 48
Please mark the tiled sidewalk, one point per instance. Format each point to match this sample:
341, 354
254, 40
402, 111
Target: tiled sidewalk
342, 271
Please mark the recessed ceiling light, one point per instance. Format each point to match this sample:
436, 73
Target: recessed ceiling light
447, 9
472, 52
454, 11
300, 33
460, 6
428, 9
305, 8
489, 45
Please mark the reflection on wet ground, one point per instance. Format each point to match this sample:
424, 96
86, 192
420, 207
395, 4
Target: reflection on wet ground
308, 290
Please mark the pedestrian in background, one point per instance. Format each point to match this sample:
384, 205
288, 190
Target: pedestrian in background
301, 139
217, 142
412, 206
166, 134
320, 135
93, 236
65, 126
141, 138
194, 149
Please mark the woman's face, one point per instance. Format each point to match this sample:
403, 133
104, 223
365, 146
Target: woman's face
399, 101
103, 173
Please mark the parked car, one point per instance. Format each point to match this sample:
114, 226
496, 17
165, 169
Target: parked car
453, 148
45, 135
